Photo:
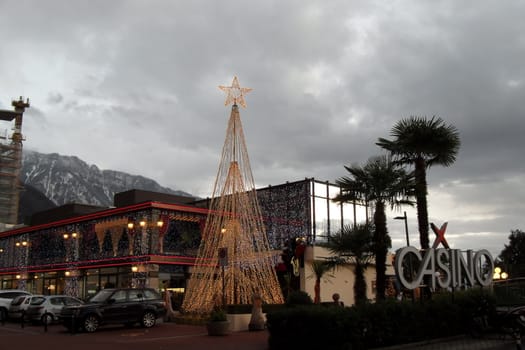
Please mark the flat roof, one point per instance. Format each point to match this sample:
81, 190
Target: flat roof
105, 213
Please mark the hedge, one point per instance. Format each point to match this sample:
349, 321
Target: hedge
376, 324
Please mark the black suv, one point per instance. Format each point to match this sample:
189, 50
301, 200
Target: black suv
127, 306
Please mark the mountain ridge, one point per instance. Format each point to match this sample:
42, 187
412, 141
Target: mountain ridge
68, 179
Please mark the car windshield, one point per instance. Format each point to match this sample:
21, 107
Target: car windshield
18, 300
101, 296
37, 300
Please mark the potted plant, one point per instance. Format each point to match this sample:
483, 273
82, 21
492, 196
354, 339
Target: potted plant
218, 323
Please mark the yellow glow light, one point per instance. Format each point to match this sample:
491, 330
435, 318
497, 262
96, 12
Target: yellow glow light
235, 93
234, 222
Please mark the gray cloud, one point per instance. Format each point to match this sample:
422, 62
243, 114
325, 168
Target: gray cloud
132, 86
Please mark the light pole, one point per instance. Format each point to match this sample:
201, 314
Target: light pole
404, 217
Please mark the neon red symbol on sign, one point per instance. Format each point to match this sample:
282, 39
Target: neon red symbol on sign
440, 235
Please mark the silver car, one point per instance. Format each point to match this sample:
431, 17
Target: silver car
46, 308
18, 306
6, 297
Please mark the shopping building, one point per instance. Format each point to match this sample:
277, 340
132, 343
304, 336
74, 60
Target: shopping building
152, 239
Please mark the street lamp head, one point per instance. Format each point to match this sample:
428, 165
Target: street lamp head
399, 218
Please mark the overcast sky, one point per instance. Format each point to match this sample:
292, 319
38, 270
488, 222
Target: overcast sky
132, 86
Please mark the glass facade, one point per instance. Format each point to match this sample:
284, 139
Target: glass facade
329, 217
305, 209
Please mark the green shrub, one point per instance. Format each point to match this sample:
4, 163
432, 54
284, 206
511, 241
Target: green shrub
299, 297
311, 327
376, 324
218, 315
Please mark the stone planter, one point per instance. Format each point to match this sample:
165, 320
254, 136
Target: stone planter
218, 328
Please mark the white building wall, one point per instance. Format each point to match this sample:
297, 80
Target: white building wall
341, 280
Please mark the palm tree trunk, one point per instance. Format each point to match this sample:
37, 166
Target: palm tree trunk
380, 235
317, 291
421, 201
420, 173
360, 284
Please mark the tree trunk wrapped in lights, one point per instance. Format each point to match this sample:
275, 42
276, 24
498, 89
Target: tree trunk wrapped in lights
234, 261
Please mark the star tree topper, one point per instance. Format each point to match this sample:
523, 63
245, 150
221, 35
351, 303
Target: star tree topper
235, 93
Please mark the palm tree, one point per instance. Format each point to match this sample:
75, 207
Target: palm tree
423, 143
320, 268
379, 182
353, 245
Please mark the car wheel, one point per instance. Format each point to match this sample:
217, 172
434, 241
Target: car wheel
91, 323
3, 314
47, 319
148, 319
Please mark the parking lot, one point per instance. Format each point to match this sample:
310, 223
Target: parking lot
162, 336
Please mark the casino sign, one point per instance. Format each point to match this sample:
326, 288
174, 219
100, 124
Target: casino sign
443, 267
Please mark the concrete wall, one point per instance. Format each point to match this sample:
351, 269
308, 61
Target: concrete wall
340, 280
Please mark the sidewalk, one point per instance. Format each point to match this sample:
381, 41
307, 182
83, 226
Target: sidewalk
196, 338
489, 342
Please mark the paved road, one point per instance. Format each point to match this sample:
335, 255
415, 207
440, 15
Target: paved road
162, 336
185, 337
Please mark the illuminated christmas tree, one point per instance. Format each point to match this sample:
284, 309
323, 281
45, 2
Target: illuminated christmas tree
234, 262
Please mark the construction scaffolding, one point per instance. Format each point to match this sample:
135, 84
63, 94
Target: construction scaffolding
11, 163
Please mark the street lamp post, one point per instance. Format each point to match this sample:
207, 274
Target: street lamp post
404, 217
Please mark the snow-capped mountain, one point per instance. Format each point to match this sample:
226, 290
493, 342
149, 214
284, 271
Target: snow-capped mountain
67, 179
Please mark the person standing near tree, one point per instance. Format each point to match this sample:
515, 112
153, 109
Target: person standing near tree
336, 300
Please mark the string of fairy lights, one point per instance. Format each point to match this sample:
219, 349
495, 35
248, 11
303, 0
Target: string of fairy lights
234, 261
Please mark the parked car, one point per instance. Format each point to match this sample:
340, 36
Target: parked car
46, 308
127, 306
18, 306
6, 296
